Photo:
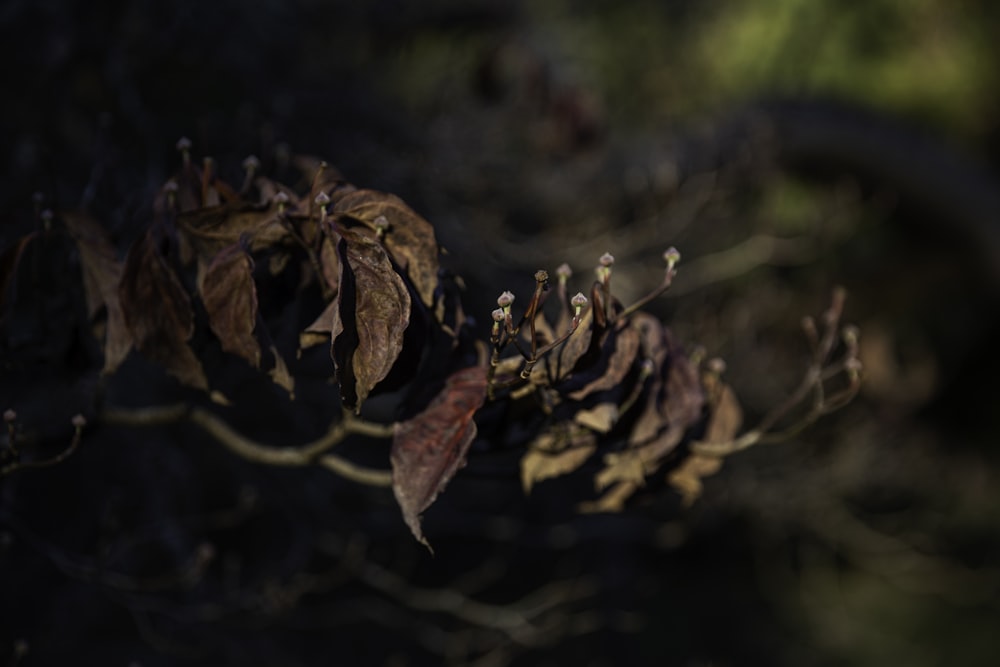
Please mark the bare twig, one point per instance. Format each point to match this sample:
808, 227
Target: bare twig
311, 453
820, 370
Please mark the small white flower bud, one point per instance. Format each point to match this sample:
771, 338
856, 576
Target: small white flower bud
505, 299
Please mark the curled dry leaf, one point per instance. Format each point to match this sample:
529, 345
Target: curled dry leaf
321, 330
601, 418
102, 274
687, 477
428, 449
210, 230
409, 238
674, 405
230, 297
613, 500
372, 315
618, 353
280, 375
158, 312
725, 413
556, 453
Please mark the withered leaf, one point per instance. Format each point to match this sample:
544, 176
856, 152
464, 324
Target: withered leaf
102, 274
428, 449
684, 398
613, 500
373, 313
213, 228
158, 313
624, 347
601, 418
569, 353
725, 413
631, 465
227, 289
408, 237
280, 375
555, 454
653, 342
687, 477
321, 330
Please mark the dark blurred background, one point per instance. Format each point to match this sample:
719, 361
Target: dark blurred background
784, 147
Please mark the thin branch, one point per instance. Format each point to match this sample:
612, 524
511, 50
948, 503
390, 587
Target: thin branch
820, 370
301, 455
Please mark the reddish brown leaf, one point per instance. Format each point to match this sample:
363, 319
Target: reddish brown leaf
373, 313
157, 312
428, 449
101, 275
408, 237
230, 297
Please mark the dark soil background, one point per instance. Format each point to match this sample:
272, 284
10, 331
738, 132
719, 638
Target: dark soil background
783, 147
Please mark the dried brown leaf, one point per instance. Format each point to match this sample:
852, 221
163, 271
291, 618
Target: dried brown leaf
157, 312
601, 418
555, 454
687, 477
227, 289
428, 449
102, 273
619, 353
373, 313
654, 346
613, 500
321, 330
408, 237
211, 229
280, 375
725, 413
